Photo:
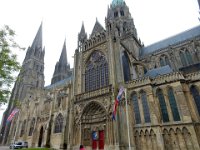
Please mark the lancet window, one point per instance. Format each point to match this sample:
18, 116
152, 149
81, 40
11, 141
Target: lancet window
96, 72
126, 67
173, 105
58, 124
145, 106
196, 96
23, 128
163, 106
136, 108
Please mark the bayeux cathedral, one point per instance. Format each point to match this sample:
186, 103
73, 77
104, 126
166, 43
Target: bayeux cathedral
159, 110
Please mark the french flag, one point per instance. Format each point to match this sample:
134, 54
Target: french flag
13, 113
117, 100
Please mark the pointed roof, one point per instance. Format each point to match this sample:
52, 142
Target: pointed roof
38, 38
97, 28
82, 29
63, 56
117, 2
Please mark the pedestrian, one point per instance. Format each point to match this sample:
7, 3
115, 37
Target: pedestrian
82, 147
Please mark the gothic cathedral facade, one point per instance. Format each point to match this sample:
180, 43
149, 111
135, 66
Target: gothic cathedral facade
159, 109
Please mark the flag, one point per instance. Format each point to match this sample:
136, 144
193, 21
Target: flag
118, 98
13, 113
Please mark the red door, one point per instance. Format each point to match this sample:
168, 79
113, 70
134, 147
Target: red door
94, 140
101, 140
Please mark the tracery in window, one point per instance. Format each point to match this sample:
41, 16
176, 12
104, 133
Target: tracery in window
173, 105
96, 72
126, 67
163, 106
136, 108
58, 124
32, 127
145, 107
196, 96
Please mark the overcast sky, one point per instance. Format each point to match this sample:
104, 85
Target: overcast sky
154, 21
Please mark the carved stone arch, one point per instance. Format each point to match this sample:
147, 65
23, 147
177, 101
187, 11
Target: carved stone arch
152, 132
137, 133
88, 56
93, 112
171, 130
165, 131
141, 132
193, 85
147, 132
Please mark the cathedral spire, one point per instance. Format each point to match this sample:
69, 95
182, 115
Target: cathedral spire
63, 56
37, 43
62, 68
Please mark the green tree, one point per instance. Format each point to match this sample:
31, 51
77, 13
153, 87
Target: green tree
8, 62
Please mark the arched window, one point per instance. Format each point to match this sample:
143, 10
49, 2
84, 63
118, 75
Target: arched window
31, 127
196, 96
23, 128
96, 72
126, 67
162, 62
188, 57
136, 108
163, 106
183, 60
173, 105
121, 12
167, 62
58, 124
145, 107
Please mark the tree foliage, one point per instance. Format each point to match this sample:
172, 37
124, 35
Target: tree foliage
8, 62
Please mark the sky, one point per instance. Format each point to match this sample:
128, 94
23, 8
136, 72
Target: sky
62, 19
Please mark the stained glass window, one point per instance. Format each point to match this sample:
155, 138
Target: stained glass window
126, 67
196, 96
136, 108
145, 107
32, 127
58, 124
173, 105
96, 72
163, 106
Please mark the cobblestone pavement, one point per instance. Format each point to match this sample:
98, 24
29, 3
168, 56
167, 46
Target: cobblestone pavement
4, 147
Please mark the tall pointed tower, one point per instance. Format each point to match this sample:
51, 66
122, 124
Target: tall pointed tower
62, 68
30, 76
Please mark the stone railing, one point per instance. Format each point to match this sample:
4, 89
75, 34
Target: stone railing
88, 95
139, 82
171, 77
193, 76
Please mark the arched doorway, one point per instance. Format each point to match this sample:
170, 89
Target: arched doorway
40, 137
93, 125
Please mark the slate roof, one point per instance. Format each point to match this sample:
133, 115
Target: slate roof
59, 83
158, 71
181, 37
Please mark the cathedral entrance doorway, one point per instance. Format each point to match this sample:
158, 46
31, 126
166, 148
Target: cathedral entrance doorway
93, 124
40, 137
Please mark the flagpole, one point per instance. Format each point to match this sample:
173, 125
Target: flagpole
127, 120
80, 131
16, 129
